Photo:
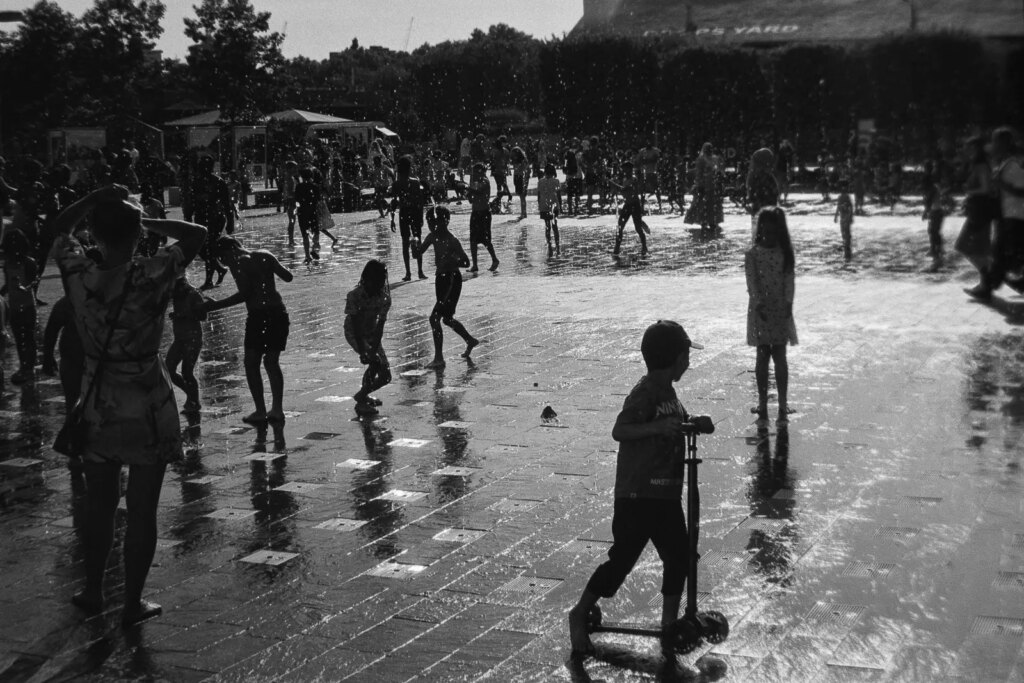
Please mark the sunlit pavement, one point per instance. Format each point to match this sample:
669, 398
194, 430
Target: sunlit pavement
445, 539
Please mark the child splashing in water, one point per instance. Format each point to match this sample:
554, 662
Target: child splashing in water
449, 257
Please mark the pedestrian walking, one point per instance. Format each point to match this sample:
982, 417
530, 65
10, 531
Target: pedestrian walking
213, 209
549, 202
981, 208
449, 257
520, 177
937, 205
479, 193
632, 207
20, 273
266, 322
762, 185
770, 272
706, 206
844, 216
408, 199
1008, 243
308, 195
287, 184
648, 483
366, 312
130, 413
499, 171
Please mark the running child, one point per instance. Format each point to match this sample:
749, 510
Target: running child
408, 199
648, 482
479, 193
844, 216
266, 325
366, 311
186, 323
449, 256
632, 207
549, 201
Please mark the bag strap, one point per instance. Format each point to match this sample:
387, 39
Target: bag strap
111, 320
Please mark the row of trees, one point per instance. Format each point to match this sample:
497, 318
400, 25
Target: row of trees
58, 69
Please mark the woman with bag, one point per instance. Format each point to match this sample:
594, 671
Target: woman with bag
981, 207
128, 415
770, 272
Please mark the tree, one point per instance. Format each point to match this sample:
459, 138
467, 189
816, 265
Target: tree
35, 67
113, 55
234, 57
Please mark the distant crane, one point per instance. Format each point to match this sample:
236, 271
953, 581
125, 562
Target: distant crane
408, 35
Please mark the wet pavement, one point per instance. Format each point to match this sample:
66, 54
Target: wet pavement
878, 539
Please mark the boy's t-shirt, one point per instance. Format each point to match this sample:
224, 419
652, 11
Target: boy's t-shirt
650, 467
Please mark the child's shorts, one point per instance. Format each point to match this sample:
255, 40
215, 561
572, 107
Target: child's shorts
480, 227
549, 215
266, 330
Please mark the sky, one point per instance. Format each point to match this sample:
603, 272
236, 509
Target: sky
315, 28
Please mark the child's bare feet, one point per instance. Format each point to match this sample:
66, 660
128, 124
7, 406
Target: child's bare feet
276, 416
470, 345
436, 363
578, 634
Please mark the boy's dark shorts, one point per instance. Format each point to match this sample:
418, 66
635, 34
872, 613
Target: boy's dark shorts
548, 215
267, 330
573, 186
480, 227
592, 178
410, 221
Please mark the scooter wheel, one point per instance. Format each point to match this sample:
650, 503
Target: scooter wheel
715, 626
684, 636
594, 618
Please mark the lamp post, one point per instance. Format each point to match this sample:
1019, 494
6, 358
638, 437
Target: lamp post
7, 16
913, 14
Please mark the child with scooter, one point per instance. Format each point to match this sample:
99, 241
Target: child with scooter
653, 430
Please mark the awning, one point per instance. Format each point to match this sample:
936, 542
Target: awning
306, 117
209, 118
385, 132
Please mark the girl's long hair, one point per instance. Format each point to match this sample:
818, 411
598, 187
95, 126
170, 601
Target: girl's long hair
774, 217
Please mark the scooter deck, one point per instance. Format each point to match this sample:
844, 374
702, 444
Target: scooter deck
628, 629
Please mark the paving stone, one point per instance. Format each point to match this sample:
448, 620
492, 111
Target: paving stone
900, 520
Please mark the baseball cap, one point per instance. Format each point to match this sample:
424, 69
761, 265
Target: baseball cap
663, 342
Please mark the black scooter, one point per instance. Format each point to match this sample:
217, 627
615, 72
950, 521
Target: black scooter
693, 628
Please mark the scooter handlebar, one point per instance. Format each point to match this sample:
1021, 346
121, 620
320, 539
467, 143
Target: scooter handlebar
699, 424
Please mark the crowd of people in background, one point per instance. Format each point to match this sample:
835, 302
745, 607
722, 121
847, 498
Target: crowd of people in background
573, 176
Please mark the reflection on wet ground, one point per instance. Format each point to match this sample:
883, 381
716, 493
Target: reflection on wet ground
877, 538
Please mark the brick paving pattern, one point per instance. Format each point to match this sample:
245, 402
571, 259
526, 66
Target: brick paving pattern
445, 539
